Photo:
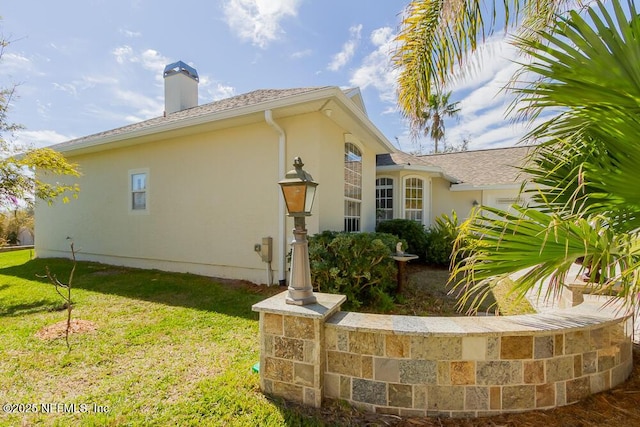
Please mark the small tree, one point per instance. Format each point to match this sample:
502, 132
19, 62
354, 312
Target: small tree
18, 165
66, 296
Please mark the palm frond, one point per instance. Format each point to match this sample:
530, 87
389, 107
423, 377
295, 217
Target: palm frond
494, 244
437, 36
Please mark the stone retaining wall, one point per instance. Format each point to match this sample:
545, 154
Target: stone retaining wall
451, 366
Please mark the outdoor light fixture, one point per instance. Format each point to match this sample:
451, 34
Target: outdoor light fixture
299, 190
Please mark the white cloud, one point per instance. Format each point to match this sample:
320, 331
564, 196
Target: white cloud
145, 106
149, 59
488, 60
382, 36
485, 102
69, 88
301, 54
14, 64
152, 60
122, 53
478, 87
43, 108
215, 90
95, 80
86, 82
39, 138
108, 114
222, 91
259, 20
129, 33
341, 58
376, 69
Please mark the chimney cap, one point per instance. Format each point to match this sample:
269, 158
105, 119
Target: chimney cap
181, 67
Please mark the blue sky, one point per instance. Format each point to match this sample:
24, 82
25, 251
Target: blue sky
85, 66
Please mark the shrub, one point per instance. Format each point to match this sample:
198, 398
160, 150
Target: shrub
411, 231
440, 239
357, 265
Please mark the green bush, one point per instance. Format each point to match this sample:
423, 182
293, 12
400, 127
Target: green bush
411, 231
440, 239
357, 265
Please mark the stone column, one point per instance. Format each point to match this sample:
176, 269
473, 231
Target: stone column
292, 361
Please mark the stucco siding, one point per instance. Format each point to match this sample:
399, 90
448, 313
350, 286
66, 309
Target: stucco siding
445, 200
211, 195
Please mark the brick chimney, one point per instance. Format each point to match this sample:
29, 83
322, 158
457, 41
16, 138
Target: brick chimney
180, 87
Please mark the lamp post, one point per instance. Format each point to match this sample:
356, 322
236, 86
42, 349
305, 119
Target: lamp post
299, 190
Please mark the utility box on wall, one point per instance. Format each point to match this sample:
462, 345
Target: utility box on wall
266, 249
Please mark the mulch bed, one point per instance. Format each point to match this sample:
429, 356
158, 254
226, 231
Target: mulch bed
58, 330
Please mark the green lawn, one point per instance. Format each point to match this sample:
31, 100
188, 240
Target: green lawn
169, 349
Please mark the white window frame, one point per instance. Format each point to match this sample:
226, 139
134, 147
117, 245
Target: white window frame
385, 186
422, 210
352, 202
132, 173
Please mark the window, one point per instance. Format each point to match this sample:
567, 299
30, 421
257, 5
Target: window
138, 191
413, 199
384, 199
352, 187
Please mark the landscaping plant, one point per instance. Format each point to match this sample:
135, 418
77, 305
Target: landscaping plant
440, 239
585, 77
66, 296
408, 230
358, 265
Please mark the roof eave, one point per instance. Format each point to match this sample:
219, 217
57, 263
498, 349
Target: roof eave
362, 117
465, 186
418, 168
329, 92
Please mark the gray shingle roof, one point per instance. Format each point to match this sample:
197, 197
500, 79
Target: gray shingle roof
483, 167
239, 101
401, 158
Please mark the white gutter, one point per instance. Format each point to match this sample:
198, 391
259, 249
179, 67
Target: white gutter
419, 168
282, 236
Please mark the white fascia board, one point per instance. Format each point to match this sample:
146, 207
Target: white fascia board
418, 168
362, 117
471, 187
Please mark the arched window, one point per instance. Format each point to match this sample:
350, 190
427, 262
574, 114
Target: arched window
384, 199
352, 187
414, 199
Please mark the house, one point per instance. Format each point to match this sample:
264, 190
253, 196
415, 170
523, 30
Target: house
195, 190
432, 185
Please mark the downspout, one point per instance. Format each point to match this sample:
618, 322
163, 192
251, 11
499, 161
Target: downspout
282, 237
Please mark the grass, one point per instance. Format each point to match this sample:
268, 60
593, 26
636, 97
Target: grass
170, 349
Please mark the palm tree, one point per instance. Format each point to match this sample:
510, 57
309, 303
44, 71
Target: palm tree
432, 119
586, 71
437, 36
